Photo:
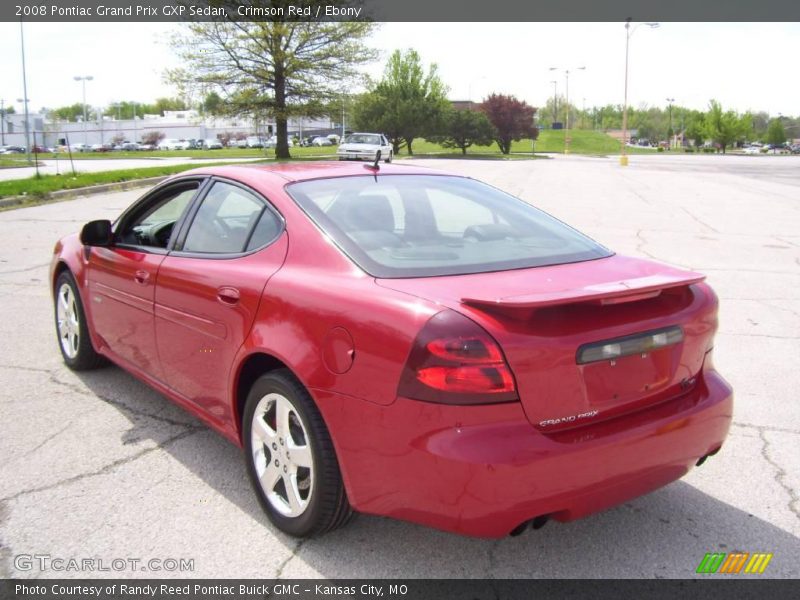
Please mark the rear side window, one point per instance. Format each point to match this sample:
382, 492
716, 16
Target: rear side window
230, 220
427, 225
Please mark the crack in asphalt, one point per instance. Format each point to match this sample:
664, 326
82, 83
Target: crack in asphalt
288, 559
780, 475
52, 374
25, 269
103, 470
699, 220
766, 428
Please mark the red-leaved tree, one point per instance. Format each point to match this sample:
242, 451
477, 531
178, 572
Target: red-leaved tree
512, 119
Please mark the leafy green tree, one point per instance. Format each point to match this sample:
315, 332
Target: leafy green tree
406, 104
512, 119
73, 112
776, 134
272, 67
725, 127
212, 103
464, 128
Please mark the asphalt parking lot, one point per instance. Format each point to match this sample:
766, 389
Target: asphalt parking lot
97, 465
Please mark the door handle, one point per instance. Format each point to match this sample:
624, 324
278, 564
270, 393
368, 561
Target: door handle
228, 295
142, 277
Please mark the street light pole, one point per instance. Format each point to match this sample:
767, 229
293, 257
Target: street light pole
555, 100
25, 93
83, 81
2, 122
566, 116
623, 159
671, 135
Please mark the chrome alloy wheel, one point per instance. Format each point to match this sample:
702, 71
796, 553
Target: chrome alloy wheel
67, 319
282, 455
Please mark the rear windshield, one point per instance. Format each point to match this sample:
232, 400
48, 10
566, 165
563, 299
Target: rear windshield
424, 225
362, 138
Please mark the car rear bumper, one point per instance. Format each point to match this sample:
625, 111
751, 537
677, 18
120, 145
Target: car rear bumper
484, 470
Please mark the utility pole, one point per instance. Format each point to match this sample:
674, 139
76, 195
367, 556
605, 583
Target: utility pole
83, 81
671, 134
623, 159
2, 122
25, 94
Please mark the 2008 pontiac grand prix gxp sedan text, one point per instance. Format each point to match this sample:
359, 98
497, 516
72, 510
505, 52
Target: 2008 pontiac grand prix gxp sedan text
400, 342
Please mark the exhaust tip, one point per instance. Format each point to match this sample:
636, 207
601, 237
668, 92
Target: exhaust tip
540, 521
535, 523
707, 456
519, 529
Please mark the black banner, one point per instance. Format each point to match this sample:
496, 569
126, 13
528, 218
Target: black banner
399, 10
729, 588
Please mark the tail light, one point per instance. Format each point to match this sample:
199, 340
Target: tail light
455, 361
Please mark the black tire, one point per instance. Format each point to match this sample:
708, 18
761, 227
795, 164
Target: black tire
327, 507
82, 355
389, 158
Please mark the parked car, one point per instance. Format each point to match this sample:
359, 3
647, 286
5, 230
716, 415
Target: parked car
173, 144
752, 150
212, 144
147, 147
365, 146
401, 342
12, 150
255, 141
100, 148
130, 146
321, 141
272, 142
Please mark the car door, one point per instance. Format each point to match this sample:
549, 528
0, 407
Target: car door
209, 288
386, 147
121, 277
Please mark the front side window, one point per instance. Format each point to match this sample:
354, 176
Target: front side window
230, 220
152, 226
426, 225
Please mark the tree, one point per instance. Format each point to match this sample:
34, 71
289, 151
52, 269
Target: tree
464, 128
270, 67
72, 112
512, 119
776, 135
153, 137
212, 103
725, 128
406, 104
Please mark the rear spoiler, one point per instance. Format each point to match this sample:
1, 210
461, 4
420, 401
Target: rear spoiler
617, 292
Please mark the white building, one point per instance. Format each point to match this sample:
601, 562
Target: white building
182, 125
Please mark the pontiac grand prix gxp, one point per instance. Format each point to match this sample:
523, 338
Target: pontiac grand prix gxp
400, 341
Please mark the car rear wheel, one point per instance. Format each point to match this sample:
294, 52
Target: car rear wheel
389, 158
290, 458
71, 327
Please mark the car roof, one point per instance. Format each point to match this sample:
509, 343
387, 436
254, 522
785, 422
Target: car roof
303, 171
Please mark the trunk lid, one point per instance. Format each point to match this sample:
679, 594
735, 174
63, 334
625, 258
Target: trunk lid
542, 317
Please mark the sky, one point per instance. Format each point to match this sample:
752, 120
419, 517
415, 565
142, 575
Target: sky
746, 66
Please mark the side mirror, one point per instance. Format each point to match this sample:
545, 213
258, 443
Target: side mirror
97, 233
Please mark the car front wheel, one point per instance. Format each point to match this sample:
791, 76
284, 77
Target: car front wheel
290, 458
71, 327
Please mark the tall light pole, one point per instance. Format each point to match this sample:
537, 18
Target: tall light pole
25, 93
566, 119
2, 122
83, 80
623, 159
135, 133
671, 134
555, 99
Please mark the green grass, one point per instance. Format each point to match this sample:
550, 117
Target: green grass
40, 187
583, 142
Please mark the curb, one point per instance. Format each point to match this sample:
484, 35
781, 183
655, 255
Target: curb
59, 195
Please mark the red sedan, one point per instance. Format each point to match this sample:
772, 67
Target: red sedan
400, 341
